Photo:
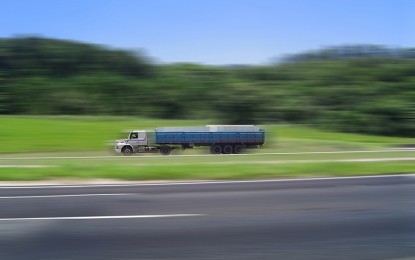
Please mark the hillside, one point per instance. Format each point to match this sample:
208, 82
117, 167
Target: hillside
372, 92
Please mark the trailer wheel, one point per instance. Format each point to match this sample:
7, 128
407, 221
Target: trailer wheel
127, 150
237, 149
227, 149
216, 149
165, 150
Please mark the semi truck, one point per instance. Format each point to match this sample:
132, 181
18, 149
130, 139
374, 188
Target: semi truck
225, 139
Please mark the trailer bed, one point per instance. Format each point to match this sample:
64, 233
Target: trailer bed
209, 138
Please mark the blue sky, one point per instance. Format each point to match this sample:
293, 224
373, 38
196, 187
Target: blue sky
214, 31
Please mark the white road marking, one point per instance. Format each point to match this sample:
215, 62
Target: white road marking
204, 155
106, 217
328, 161
374, 159
411, 175
67, 195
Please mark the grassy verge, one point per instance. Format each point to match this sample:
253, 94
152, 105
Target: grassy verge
25, 137
206, 171
29, 134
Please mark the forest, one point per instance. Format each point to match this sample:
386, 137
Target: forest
356, 88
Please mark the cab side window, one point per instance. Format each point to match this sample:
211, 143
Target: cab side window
133, 136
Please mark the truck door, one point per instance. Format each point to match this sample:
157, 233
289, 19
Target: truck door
137, 139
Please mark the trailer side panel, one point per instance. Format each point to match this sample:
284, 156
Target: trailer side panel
209, 138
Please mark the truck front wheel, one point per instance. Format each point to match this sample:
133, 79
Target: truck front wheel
165, 150
127, 150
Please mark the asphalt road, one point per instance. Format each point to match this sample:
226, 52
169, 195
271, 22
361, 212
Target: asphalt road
347, 218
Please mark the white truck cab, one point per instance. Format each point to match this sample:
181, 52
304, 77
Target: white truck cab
136, 141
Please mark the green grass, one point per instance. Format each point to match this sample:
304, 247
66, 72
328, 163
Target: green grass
303, 132
31, 136
22, 134
303, 138
206, 171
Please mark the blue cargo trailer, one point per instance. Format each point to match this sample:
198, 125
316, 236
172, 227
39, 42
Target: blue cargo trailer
225, 139
203, 139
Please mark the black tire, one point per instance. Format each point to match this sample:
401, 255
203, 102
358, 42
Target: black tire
227, 149
216, 149
165, 150
238, 149
127, 150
